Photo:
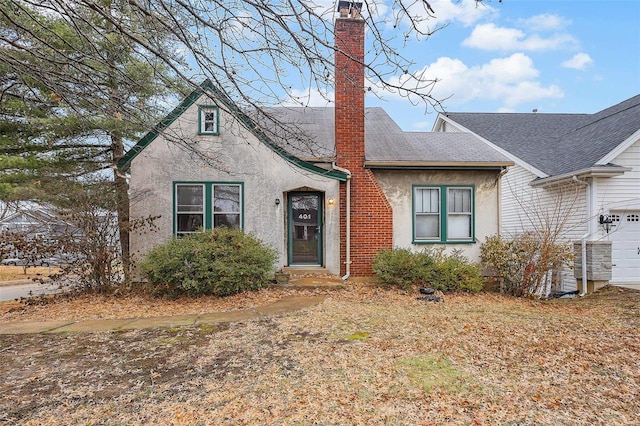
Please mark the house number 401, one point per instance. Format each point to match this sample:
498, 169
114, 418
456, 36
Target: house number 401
304, 216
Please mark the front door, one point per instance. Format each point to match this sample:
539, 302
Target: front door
305, 228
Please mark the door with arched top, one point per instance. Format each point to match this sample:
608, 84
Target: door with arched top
305, 228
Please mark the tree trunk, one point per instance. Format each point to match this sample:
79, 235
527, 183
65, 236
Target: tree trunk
122, 201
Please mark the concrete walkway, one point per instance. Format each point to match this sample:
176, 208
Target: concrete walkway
282, 306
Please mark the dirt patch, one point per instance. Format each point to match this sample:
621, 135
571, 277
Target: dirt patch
484, 359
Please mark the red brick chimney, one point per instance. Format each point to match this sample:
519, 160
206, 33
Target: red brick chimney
371, 221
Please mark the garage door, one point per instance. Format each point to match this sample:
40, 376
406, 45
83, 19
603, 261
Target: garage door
625, 247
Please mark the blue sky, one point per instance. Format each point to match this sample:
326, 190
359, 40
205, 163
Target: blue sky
573, 56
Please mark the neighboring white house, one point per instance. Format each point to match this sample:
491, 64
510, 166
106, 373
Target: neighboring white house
577, 172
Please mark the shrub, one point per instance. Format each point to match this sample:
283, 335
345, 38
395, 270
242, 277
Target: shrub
402, 268
523, 264
429, 267
455, 272
219, 262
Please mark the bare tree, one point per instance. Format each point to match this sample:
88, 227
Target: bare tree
526, 259
79, 57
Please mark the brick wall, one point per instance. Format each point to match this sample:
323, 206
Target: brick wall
371, 214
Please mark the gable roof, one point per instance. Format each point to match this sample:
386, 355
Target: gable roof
306, 135
247, 121
557, 144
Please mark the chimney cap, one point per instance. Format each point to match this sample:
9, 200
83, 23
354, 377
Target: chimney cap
349, 8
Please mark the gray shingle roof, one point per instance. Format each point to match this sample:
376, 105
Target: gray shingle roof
430, 147
384, 140
557, 143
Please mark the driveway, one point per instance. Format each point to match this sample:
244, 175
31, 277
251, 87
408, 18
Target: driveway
11, 290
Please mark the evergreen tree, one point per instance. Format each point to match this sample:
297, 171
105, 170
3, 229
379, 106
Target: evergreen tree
74, 93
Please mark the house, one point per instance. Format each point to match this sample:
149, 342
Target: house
36, 222
579, 174
352, 184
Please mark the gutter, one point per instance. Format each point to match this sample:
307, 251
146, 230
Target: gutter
437, 165
583, 239
347, 220
502, 173
603, 171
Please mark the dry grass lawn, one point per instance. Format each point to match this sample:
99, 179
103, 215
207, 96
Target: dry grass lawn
364, 356
8, 273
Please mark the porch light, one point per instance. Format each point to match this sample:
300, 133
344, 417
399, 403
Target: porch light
277, 201
331, 201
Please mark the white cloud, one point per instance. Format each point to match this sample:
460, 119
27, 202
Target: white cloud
466, 12
545, 22
510, 81
308, 97
491, 37
513, 69
579, 61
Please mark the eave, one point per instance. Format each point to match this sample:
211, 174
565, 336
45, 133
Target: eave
438, 165
591, 172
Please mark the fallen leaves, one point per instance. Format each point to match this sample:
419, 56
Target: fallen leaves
364, 356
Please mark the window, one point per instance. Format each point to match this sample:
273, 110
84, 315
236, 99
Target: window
207, 205
226, 206
427, 210
208, 120
442, 214
189, 208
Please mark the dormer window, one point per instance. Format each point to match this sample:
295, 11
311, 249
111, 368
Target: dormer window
208, 120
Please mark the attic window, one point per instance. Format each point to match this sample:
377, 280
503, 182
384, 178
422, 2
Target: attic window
208, 120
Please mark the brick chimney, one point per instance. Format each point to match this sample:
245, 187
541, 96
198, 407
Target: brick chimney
371, 220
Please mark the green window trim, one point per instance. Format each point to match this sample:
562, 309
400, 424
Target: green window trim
445, 196
208, 210
208, 125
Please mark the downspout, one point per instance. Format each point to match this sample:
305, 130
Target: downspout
502, 173
348, 222
583, 239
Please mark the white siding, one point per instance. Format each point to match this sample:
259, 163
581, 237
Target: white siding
620, 195
450, 128
558, 210
527, 208
621, 192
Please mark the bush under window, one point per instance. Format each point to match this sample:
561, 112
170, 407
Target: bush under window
217, 262
428, 268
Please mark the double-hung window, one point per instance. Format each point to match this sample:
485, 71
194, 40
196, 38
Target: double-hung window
208, 120
443, 214
226, 206
207, 205
189, 208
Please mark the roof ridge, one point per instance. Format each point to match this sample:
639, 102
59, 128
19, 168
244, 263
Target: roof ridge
604, 117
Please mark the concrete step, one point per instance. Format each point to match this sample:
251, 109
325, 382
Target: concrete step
305, 277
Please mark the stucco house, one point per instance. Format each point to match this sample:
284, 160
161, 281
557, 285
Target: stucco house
578, 173
365, 186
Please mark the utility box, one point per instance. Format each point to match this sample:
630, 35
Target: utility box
598, 264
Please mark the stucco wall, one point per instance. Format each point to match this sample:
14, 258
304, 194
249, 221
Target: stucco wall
237, 156
397, 186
